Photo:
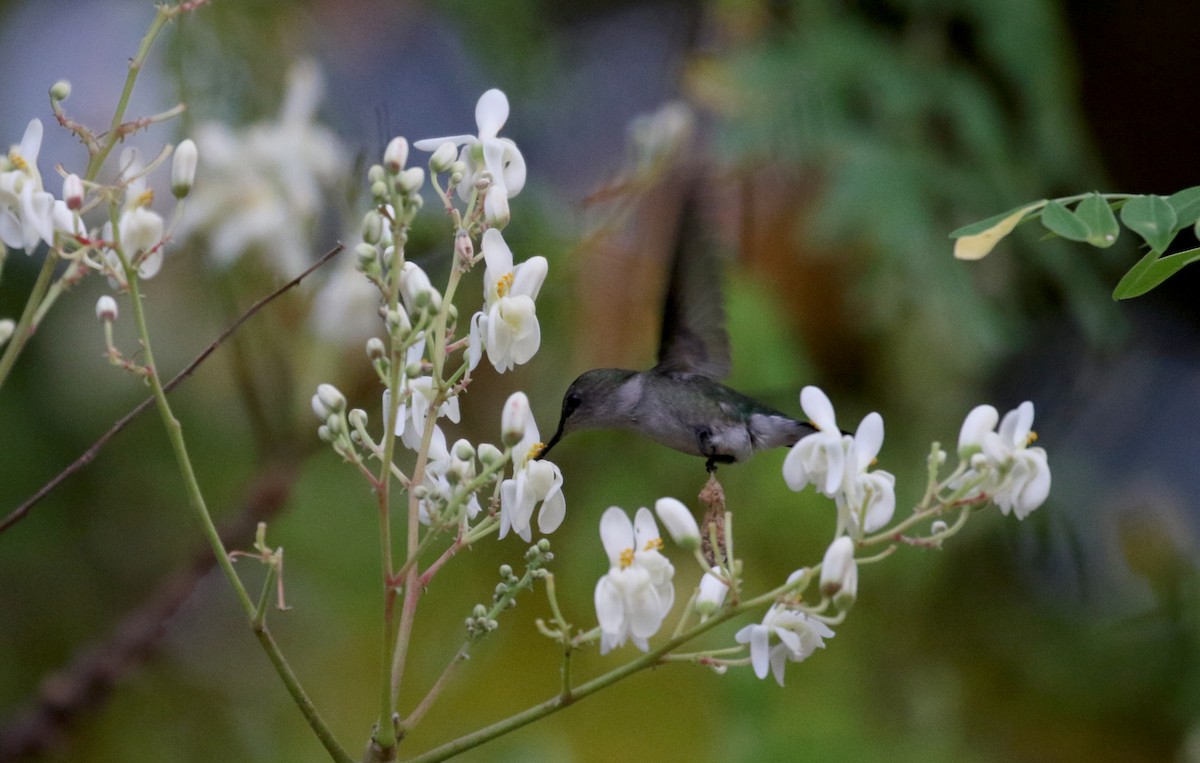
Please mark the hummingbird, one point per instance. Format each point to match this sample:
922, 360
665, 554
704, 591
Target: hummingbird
681, 402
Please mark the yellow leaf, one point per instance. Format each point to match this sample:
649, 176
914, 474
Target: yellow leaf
977, 246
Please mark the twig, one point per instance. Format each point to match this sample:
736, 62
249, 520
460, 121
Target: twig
90, 454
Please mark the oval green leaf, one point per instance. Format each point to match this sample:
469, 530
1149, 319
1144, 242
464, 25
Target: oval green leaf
1152, 270
1058, 219
1186, 204
1102, 226
1151, 217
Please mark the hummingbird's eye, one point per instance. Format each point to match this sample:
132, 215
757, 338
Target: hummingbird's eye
572, 402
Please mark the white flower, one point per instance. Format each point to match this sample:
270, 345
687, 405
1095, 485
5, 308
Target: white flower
438, 491
1011, 473
819, 458
26, 210
413, 411
867, 499
498, 156
1016, 476
797, 635
839, 573
636, 594
346, 309
507, 326
533, 481
139, 228
264, 185
680, 523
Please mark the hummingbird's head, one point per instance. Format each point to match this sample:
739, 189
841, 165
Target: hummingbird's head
592, 400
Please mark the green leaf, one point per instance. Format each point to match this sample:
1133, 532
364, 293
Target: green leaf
1186, 204
1058, 219
982, 225
1095, 213
1152, 218
1152, 270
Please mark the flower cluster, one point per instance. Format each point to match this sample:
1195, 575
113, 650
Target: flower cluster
267, 183
635, 595
421, 323
30, 215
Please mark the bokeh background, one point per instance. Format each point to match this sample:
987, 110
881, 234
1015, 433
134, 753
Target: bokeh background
832, 147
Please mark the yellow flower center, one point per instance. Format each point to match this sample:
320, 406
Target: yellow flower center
626, 558
145, 198
504, 284
17, 160
654, 544
535, 450
1031, 438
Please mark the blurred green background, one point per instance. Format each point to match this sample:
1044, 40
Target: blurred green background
837, 143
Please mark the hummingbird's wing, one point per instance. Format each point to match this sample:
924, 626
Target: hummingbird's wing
694, 339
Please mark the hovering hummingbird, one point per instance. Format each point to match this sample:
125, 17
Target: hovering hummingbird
680, 402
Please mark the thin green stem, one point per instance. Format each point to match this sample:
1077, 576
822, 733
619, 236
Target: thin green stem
200, 509
26, 325
163, 15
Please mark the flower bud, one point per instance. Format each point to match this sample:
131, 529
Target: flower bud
183, 168
73, 192
106, 308
376, 174
417, 289
463, 451
397, 323
395, 156
379, 190
938, 527
372, 227
839, 573
327, 401
411, 179
712, 593
679, 523
61, 90
7, 327
514, 419
443, 158
375, 348
489, 454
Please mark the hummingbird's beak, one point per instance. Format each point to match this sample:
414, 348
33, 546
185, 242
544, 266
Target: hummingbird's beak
553, 440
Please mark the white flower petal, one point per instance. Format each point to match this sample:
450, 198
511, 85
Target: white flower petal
817, 407
491, 112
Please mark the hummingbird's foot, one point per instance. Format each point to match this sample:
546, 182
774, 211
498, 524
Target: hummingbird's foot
711, 466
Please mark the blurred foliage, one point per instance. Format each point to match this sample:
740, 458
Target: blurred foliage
865, 132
